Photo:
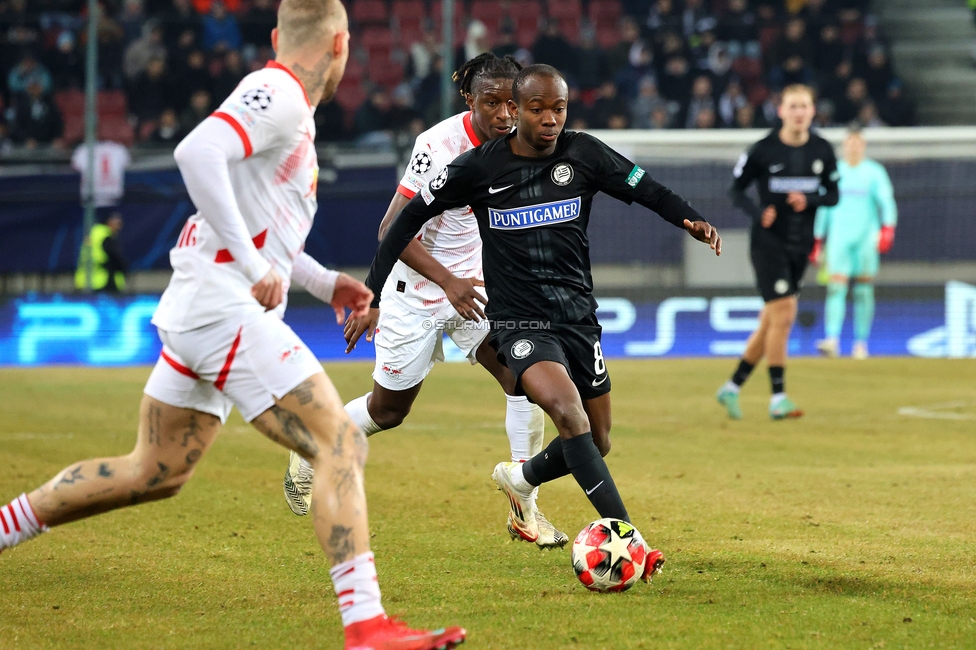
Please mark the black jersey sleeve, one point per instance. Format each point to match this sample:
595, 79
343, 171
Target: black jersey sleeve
829, 178
620, 178
447, 190
746, 171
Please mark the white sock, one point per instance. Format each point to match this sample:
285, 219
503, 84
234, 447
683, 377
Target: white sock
521, 484
525, 424
18, 523
360, 415
732, 386
776, 398
357, 589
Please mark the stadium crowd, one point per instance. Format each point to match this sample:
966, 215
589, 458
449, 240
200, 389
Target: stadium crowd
651, 64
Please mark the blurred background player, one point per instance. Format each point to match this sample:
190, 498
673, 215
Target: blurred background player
531, 193
857, 230
795, 172
437, 280
108, 263
224, 341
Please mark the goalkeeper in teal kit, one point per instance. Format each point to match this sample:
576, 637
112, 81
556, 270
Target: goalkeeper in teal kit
849, 240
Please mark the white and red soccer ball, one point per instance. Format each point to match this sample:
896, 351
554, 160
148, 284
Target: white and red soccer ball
609, 555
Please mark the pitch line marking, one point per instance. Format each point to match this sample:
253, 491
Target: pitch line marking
937, 411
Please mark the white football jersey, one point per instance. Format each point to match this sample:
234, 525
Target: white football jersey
452, 237
275, 186
111, 159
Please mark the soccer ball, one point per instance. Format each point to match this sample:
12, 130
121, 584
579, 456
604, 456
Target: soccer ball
609, 555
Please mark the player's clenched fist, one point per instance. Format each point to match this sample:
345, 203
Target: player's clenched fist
768, 217
269, 291
350, 294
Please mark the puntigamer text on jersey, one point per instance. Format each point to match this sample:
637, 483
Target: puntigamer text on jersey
531, 216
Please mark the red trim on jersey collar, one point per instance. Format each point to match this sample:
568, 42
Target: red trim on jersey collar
469, 129
275, 64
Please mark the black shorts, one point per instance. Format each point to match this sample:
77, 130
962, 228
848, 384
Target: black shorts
576, 346
779, 271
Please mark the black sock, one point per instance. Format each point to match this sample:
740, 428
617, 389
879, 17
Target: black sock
742, 372
548, 465
591, 472
777, 380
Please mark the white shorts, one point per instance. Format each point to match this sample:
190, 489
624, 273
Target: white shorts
246, 362
408, 344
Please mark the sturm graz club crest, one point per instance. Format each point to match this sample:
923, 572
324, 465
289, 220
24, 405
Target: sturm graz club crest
257, 99
421, 163
439, 180
562, 174
522, 348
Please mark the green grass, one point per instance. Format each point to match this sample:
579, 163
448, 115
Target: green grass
853, 527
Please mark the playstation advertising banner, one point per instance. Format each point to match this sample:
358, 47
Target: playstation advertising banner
107, 331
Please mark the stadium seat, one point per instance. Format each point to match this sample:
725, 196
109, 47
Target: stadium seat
767, 37
350, 96
377, 41
607, 36
605, 13
74, 128
370, 12
116, 129
112, 103
526, 14
385, 73
70, 102
409, 16
146, 129
354, 70
459, 22
747, 69
488, 12
561, 9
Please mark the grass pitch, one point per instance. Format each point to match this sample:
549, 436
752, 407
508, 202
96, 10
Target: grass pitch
853, 527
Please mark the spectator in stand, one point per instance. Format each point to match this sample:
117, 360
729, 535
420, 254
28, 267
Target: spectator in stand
35, 120
168, 130
66, 63
608, 103
730, 101
199, 109
702, 99
768, 113
111, 45
697, 18
193, 76
824, 116
151, 92
577, 112
374, 116
257, 23
230, 74
828, 52
639, 67
704, 119
20, 30
618, 56
816, 14
143, 50
877, 73
181, 24
592, 66
618, 121
402, 112
506, 45
746, 118
643, 106
868, 115
131, 19
28, 72
204, 7
552, 49
737, 29
835, 85
660, 118
854, 100
6, 144
422, 55
220, 29
791, 56
330, 123
896, 110
428, 93
675, 81
664, 18
475, 42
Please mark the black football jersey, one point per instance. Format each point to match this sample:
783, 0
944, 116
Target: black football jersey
533, 215
778, 169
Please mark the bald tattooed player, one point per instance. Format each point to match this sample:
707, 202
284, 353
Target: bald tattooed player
531, 193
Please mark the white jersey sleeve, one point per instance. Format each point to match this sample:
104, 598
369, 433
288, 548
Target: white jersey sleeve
261, 122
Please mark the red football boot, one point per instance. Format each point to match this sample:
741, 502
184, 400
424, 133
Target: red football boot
653, 563
385, 633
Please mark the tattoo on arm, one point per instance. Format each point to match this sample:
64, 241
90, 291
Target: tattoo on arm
104, 471
339, 546
70, 477
160, 476
193, 456
192, 431
155, 426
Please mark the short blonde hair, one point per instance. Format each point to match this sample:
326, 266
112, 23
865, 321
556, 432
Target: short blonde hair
793, 89
301, 22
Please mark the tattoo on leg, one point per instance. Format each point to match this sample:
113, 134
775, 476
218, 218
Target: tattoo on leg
343, 481
104, 471
100, 493
339, 546
193, 456
295, 431
303, 392
155, 427
70, 477
161, 476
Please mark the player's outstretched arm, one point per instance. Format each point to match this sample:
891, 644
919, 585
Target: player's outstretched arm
340, 290
202, 158
705, 232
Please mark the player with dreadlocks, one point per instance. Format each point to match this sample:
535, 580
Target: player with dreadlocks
436, 288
